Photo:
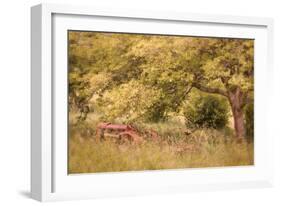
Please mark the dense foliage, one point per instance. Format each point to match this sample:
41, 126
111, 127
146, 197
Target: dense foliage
206, 111
149, 77
249, 120
177, 94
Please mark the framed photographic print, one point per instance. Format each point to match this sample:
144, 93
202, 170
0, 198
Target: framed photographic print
136, 102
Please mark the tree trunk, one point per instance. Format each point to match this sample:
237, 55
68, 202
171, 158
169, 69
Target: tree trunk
237, 103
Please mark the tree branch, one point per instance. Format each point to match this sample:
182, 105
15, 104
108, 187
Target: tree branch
186, 92
209, 89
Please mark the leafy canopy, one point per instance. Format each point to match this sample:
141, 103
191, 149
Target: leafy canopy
149, 76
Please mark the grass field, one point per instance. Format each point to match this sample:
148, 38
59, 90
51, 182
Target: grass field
204, 148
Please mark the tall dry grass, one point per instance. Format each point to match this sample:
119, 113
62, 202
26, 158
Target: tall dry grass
207, 148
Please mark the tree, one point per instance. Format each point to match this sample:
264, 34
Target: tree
229, 72
97, 63
129, 102
170, 66
218, 66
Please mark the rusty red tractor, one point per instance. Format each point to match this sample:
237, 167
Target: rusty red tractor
122, 133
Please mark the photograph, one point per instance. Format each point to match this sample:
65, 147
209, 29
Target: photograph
140, 102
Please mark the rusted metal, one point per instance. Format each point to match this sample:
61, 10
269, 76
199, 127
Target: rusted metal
123, 132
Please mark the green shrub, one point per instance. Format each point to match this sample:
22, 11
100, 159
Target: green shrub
157, 112
249, 120
206, 111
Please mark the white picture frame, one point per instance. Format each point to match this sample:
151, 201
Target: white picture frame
49, 178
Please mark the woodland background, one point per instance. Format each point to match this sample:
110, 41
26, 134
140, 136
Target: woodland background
194, 92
